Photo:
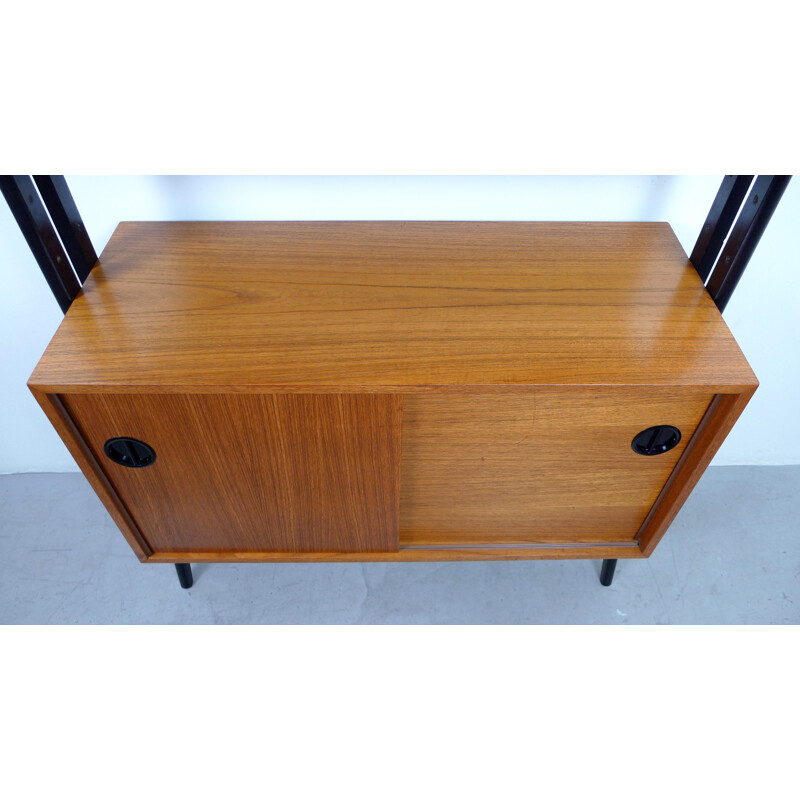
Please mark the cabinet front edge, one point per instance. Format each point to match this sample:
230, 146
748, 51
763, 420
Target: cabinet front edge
70, 434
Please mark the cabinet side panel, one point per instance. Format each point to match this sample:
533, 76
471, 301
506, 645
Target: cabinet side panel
233, 473
551, 467
59, 417
714, 427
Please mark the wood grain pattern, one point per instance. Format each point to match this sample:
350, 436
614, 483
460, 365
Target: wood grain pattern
391, 307
714, 427
276, 366
550, 467
291, 473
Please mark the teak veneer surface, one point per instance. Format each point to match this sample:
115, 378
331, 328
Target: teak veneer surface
392, 390
551, 467
391, 306
241, 472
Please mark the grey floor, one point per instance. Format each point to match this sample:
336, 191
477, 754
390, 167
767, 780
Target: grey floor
731, 556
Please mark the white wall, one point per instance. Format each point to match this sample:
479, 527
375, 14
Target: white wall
763, 314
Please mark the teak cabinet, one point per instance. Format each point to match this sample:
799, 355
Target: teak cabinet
279, 391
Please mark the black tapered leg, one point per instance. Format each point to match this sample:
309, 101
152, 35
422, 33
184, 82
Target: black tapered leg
607, 571
185, 575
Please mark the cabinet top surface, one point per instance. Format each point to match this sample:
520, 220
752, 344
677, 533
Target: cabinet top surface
391, 306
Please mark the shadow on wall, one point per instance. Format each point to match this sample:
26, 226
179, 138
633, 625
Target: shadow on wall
463, 197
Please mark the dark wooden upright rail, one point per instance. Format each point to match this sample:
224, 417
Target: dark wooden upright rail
734, 226
31, 215
64, 213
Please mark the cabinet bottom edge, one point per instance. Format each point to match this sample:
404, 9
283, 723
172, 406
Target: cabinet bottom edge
415, 553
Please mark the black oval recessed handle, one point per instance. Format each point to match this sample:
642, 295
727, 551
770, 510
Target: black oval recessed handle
129, 452
656, 440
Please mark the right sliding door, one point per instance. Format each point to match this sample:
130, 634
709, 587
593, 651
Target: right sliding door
547, 466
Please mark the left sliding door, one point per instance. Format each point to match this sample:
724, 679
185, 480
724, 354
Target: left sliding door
228, 474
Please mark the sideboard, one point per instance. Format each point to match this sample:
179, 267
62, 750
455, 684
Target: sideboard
392, 391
